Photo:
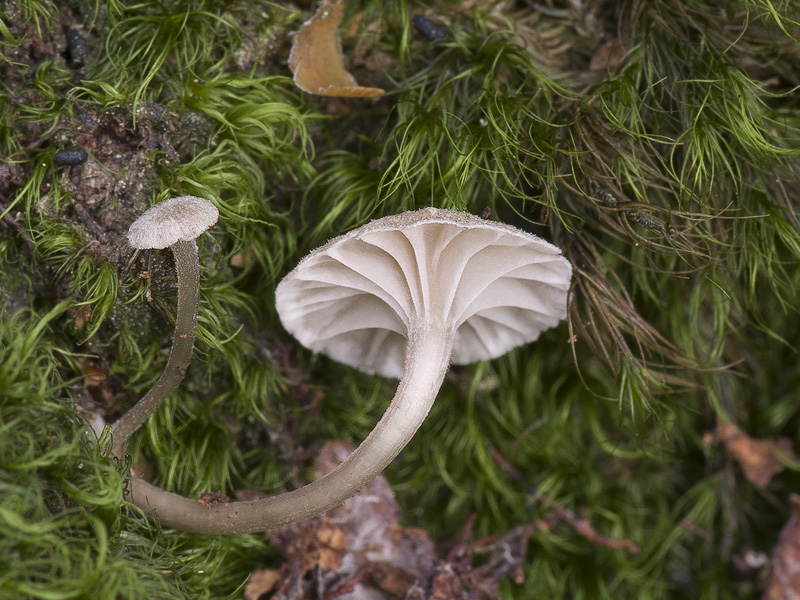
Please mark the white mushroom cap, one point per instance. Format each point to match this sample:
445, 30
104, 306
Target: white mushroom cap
358, 298
177, 219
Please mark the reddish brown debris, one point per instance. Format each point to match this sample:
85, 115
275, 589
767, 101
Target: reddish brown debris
784, 579
757, 457
354, 547
359, 551
580, 523
210, 498
317, 60
260, 583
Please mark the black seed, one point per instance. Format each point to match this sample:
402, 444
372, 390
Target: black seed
70, 158
432, 31
76, 48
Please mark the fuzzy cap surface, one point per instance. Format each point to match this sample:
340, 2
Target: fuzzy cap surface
177, 219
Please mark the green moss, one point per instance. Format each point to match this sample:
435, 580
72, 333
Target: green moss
62, 531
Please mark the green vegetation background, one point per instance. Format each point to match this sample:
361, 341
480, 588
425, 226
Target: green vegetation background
656, 142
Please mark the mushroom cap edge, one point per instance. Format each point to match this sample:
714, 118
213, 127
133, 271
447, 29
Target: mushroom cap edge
387, 355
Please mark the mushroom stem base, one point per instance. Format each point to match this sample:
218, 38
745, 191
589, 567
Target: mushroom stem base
427, 357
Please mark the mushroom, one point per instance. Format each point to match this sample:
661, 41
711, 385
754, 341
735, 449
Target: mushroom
174, 223
402, 296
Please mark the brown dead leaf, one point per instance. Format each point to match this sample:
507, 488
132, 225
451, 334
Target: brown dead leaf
757, 457
355, 550
331, 547
391, 579
784, 579
316, 58
260, 583
245, 259
359, 551
608, 56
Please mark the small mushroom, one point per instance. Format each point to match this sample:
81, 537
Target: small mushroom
401, 296
174, 223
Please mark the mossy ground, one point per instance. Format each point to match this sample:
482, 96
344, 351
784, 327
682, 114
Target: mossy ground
656, 142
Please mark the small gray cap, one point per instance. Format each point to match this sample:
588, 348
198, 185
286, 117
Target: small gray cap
174, 220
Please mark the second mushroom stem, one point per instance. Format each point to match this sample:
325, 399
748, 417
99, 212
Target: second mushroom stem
188, 272
427, 359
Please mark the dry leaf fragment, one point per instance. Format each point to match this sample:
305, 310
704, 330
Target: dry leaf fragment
332, 546
317, 60
358, 551
260, 583
757, 457
784, 580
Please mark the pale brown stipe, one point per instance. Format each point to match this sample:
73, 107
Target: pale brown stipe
174, 223
316, 58
399, 296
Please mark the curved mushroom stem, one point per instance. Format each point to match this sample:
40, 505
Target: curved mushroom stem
427, 358
188, 270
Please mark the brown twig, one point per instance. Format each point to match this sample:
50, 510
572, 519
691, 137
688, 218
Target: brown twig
579, 522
